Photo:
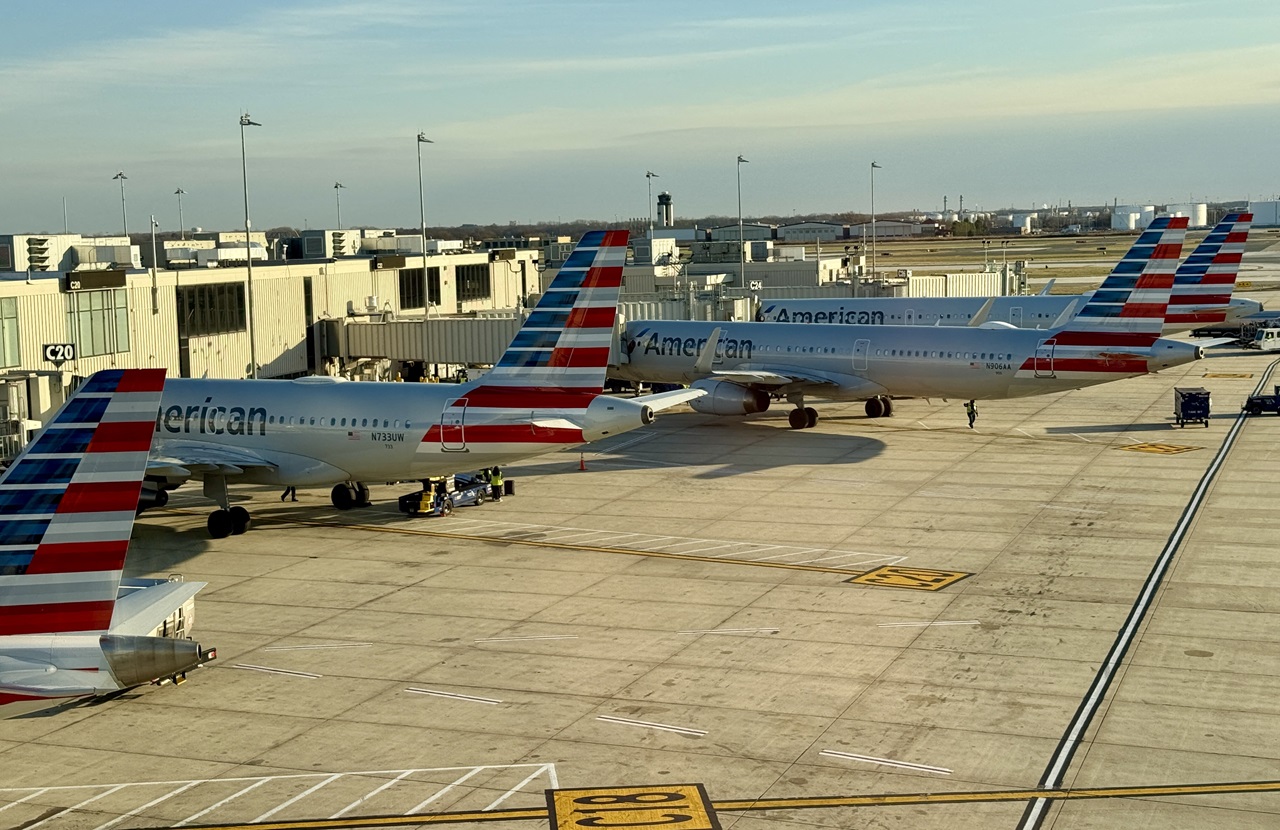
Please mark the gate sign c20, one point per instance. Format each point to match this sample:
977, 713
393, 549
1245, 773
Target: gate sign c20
59, 352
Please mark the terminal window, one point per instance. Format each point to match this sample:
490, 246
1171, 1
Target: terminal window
217, 308
100, 321
9, 355
473, 282
411, 287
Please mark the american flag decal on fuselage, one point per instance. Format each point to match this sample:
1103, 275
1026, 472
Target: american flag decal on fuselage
68, 502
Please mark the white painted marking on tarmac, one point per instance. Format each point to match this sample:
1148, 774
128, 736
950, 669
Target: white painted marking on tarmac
269, 813
517, 788
441, 792
35, 794
1082, 438
269, 670
318, 647
153, 802
923, 424
75, 807
362, 799
469, 698
518, 639
731, 631
1069, 509
1024, 432
229, 798
639, 439
665, 727
925, 624
886, 762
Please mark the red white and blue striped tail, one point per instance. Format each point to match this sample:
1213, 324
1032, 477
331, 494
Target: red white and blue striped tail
1130, 306
67, 505
1204, 282
564, 344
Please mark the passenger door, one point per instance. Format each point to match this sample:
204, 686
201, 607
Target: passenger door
1044, 359
453, 436
860, 350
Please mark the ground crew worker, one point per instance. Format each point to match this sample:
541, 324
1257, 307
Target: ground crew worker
495, 484
972, 412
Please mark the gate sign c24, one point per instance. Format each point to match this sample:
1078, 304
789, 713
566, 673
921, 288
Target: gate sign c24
59, 352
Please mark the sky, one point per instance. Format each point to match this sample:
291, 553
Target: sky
546, 110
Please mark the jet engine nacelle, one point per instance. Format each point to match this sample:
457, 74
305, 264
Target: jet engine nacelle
153, 494
726, 398
137, 660
1166, 353
607, 415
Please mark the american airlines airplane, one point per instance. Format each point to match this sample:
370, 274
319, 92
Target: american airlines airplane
1202, 295
742, 366
544, 394
70, 627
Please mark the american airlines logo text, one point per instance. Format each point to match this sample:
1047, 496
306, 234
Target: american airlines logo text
840, 315
692, 346
212, 420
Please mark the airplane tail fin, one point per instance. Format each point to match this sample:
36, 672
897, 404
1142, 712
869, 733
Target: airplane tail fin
1130, 306
1204, 282
67, 505
563, 347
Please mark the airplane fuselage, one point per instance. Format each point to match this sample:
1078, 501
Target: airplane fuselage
321, 431
857, 362
1039, 311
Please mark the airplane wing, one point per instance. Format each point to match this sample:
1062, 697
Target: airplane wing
781, 376
184, 459
666, 400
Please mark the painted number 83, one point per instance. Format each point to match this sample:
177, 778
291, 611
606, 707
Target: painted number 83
646, 809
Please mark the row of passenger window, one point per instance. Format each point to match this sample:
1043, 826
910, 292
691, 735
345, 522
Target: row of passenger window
304, 420
943, 355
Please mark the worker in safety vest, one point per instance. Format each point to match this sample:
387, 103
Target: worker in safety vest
495, 484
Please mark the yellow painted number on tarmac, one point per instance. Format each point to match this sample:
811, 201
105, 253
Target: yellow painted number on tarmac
678, 806
920, 579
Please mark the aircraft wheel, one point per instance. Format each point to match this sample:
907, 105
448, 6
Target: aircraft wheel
221, 524
797, 419
874, 408
362, 494
810, 417
888, 406
343, 497
162, 497
239, 520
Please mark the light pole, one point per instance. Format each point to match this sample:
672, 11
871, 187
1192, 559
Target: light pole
742, 251
649, 176
182, 229
124, 215
245, 121
874, 168
155, 265
426, 284
337, 194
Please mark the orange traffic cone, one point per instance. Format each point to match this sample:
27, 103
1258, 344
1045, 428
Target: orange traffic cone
582, 462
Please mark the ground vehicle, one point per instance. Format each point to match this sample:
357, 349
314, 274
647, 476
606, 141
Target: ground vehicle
1265, 339
440, 495
1266, 402
1191, 404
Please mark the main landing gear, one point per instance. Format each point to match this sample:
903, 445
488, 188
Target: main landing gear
879, 407
802, 417
226, 520
350, 494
